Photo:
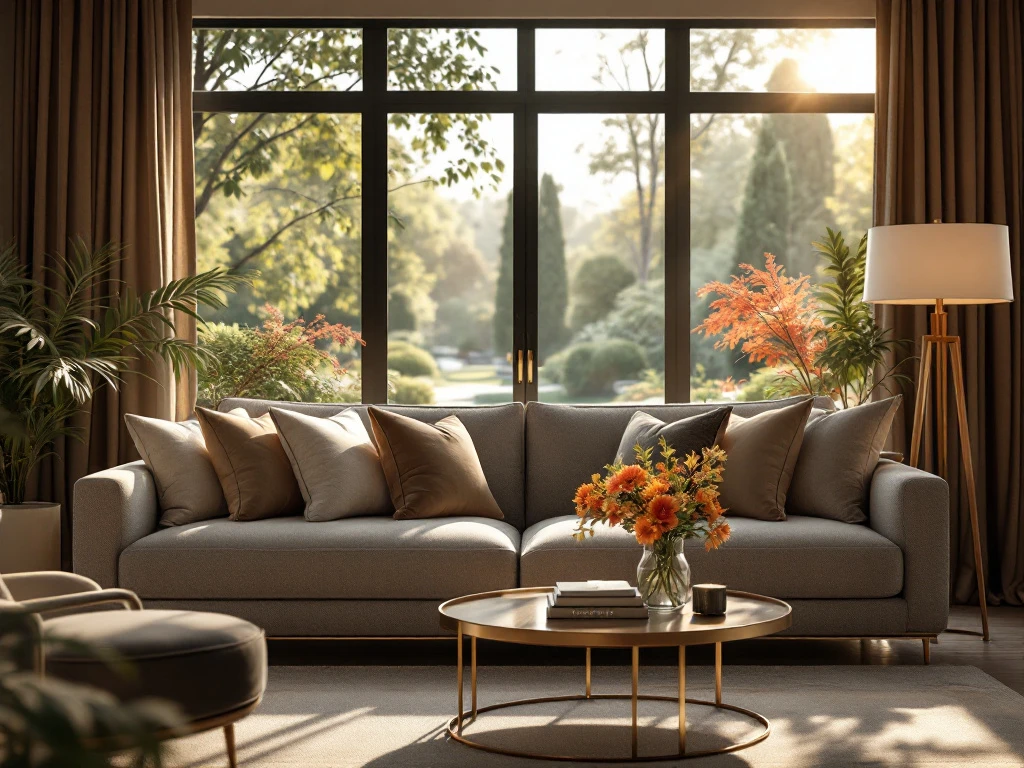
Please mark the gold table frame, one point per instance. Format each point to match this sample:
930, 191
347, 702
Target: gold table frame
536, 636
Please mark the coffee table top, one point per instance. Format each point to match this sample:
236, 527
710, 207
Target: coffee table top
520, 616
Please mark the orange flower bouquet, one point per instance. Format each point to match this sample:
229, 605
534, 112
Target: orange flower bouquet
661, 504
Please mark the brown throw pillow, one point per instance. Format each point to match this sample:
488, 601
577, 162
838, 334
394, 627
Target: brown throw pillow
839, 454
432, 469
253, 468
761, 454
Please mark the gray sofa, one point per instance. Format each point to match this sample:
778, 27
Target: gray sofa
383, 577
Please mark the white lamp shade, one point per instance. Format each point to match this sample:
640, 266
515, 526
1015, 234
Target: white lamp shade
919, 263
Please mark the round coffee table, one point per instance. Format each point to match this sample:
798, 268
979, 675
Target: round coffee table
520, 616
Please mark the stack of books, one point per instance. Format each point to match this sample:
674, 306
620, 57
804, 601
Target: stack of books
596, 600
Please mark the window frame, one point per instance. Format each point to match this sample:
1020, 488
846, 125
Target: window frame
676, 102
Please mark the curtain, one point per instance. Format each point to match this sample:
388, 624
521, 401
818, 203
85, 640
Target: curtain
103, 150
950, 146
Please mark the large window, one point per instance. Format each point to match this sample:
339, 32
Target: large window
494, 212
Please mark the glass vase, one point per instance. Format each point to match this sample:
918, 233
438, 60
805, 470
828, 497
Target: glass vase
663, 576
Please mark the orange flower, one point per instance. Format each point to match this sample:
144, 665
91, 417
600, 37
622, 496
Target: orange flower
646, 531
629, 510
662, 509
717, 537
627, 479
655, 488
582, 493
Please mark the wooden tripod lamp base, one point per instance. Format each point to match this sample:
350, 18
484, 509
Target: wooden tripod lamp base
962, 264
943, 350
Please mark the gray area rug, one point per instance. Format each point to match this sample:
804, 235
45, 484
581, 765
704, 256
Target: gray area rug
836, 716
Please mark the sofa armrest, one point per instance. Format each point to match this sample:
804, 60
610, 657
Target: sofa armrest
910, 507
112, 509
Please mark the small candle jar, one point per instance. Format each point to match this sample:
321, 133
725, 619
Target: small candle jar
709, 599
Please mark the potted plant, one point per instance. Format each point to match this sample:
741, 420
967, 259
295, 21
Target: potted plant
57, 345
662, 504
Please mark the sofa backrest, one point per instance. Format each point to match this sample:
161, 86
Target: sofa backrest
497, 432
566, 444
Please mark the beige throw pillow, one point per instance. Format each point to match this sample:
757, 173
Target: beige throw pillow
335, 463
253, 468
432, 469
839, 455
761, 454
187, 486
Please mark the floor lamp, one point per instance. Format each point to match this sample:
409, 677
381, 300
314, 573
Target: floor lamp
939, 264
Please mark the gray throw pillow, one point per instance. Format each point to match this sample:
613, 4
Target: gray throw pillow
839, 454
690, 435
175, 452
335, 463
761, 454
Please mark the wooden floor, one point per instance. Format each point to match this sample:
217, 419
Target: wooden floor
1002, 657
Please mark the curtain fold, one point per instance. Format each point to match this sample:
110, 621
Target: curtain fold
950, 145
103, 150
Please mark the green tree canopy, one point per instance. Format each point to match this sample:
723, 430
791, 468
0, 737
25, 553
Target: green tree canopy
765, 216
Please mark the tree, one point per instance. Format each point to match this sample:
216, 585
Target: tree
300, 174
553, 288
765, 216
598, 280
503, 300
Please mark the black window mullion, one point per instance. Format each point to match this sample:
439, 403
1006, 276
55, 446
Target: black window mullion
530, 190
759, 103
523, 312
374, 298
677, 216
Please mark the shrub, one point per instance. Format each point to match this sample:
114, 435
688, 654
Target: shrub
595, 286
592, 368
409, 360
638, 316
409, 390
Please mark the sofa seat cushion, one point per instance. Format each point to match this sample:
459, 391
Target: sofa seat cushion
800, 557
355, 558
169, 654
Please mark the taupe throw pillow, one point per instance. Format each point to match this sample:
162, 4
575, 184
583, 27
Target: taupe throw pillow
432, 469
761, 454
839, 454
690, 435
187, 486
335, 463
251, 464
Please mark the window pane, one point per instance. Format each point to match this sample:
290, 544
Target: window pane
794, 60
452, 59
280, 193
277, 59
600, 59
768, 183
601, 269
450, 259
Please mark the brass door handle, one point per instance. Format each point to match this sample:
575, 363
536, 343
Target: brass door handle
519, 367
529, 367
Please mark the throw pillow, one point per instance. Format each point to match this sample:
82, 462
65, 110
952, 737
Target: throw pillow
432, 469
839, 454
761, 454
335, 463
690, 435
187, 486
253, 468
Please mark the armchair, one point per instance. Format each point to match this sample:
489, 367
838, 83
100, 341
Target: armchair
174, 655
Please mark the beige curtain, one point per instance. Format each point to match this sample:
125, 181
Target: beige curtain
103, 149
950, 146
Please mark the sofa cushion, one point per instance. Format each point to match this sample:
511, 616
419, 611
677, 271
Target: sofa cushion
356, 558
497, 432
799, 557
566, 444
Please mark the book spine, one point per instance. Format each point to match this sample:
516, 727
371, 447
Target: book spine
596, 613
599, 602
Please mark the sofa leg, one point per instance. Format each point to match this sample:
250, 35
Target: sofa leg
229, 738
927, 651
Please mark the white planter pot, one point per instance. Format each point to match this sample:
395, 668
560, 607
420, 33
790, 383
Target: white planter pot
29, 537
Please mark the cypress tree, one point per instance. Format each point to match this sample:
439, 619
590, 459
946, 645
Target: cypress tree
553, 288
503, 289
765, 216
